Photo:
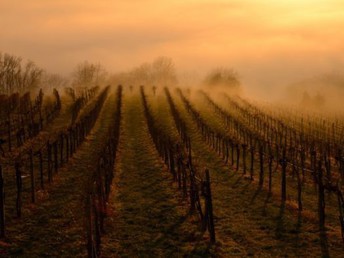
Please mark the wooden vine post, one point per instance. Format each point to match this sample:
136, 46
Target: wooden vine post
2, 205
209, 208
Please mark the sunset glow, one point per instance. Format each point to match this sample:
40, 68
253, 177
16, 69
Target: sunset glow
171, 128
298, 38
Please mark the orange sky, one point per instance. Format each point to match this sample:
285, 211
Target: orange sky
268, 42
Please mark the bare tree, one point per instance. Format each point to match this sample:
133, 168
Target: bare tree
160, 72
31, 77
87, 75
10, 71
54, 81
164, 71
142, 74
16, 78
223, 77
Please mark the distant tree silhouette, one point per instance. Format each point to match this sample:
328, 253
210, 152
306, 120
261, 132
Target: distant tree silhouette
223, 77
16, 77
54, 81
313, 102
161, 72
306, 99
164, 71
88, 75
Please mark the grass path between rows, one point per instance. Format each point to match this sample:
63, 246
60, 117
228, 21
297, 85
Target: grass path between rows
54, 226
149, 218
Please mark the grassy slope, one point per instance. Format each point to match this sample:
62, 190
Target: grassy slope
309, 196
147, 216
245, 215
54, 227
149, 219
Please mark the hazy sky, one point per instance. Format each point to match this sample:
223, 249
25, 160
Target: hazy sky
268, 42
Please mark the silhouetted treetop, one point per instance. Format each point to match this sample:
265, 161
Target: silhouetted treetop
18, 77
223, 77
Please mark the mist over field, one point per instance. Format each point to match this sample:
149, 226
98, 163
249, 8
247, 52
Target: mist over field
271, 44
158, 128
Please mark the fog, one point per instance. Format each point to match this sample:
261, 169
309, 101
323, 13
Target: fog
271, 44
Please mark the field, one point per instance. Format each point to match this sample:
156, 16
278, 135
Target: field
142, 171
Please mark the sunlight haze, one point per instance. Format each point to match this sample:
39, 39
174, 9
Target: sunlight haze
269, 43
185, 128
